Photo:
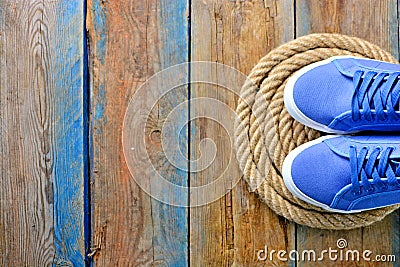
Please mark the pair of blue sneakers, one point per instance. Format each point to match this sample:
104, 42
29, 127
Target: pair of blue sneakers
346, 173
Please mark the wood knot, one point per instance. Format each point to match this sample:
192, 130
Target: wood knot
155, 136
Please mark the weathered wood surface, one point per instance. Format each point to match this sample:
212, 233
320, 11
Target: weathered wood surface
230, 231
42, 133
46, 142
377, 22
129, 42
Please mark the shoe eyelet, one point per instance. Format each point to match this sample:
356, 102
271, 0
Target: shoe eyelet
385, 117
353, 117
370, 190
356, 193
385, 187
393, 185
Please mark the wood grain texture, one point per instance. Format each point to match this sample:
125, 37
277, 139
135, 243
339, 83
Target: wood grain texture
41, 116
129, 42
231, 230
377, 22
43, 126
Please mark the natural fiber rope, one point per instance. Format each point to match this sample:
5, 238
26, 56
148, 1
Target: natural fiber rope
265, 133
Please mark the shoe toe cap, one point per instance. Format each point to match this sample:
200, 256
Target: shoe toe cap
322, 93
319, 173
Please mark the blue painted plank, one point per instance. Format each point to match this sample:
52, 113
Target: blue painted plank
42, 128
70, 165
171, 223
130, 41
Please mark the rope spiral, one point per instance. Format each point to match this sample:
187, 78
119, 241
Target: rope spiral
265, 132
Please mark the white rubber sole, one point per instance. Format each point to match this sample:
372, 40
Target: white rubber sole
291, 106
287, 176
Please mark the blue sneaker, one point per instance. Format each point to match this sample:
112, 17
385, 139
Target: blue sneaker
345, 94
345, 173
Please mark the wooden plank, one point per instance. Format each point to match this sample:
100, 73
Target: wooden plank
70, 165
42, 132
375, 21
231, 230
129, 42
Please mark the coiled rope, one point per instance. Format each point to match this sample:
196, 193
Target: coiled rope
265, 132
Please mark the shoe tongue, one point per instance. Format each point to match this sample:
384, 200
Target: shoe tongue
348, 66
341, 145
